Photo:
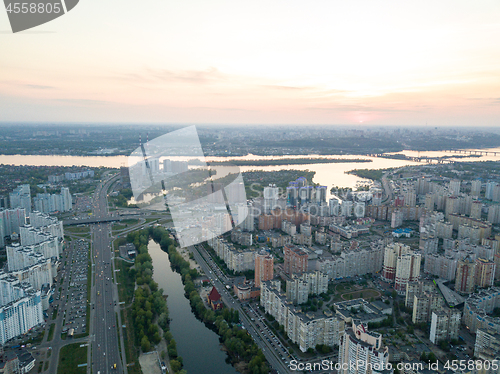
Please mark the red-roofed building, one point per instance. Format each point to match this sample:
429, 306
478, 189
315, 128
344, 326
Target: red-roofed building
214, 299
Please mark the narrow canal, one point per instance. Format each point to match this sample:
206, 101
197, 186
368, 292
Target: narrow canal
198, 346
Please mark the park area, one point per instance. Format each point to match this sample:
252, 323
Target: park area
346, 291
70, 357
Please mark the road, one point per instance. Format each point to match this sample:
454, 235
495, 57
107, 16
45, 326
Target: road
387, 188
250, 326
105, 341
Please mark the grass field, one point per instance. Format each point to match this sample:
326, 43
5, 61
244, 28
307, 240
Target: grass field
130, 221
70, 357
51, 332
77, 230
365, 294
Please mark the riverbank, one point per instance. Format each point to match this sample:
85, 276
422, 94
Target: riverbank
288, 161
243, 353
145, 309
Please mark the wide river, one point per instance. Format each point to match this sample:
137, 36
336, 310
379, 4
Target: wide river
196, 344
326, 174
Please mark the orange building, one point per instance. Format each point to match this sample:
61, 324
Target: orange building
485, 273
295, 260
264, 267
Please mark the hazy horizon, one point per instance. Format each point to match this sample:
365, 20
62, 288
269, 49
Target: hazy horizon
423, 64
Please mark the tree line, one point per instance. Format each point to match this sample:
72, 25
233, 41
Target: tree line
239, 344
149, 308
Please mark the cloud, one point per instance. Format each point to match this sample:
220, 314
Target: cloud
286, 88
357, 108
183, 76
83, 101
39, 87
28, 85
486, 100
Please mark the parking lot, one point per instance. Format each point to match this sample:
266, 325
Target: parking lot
76, 303
258, 318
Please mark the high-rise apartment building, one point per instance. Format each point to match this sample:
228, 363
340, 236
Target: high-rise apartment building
271, 195
304, 329
21, 198
464, 281
334, 206
416, 288
494, 214
475, 188
476, 209
264, 267
391, 254
445, 324
478, 307
346, 208
452, 206
292, 195
296, 260
484, 273
12, 220
47, 203
429, 202
396, 219
20, 307
442, 266
487, 346
454, 186
298, 288
407, 270
361, 351
424, 304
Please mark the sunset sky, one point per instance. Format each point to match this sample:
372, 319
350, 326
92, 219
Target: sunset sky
257, 62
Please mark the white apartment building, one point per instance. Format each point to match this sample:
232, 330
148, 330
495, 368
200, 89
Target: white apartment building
475, 188
271, 195
443, 266
391, 254
20, 308
445, 324
12, 219
396, 218
298, 288
415, 288
454, 187
237, 260
361, 351
47, 203
305, 329
50, 246
407, 270
478, 306
20, 316
487, 346
424, 304
36, 275
354, 262
46, 223
21, 198
494, 214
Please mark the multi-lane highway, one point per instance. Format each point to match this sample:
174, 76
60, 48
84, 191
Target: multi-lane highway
256, 333
104, 336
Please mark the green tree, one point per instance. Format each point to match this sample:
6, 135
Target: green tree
175, 365
145, 344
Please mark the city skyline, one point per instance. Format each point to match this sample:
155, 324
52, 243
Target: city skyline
257, 63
